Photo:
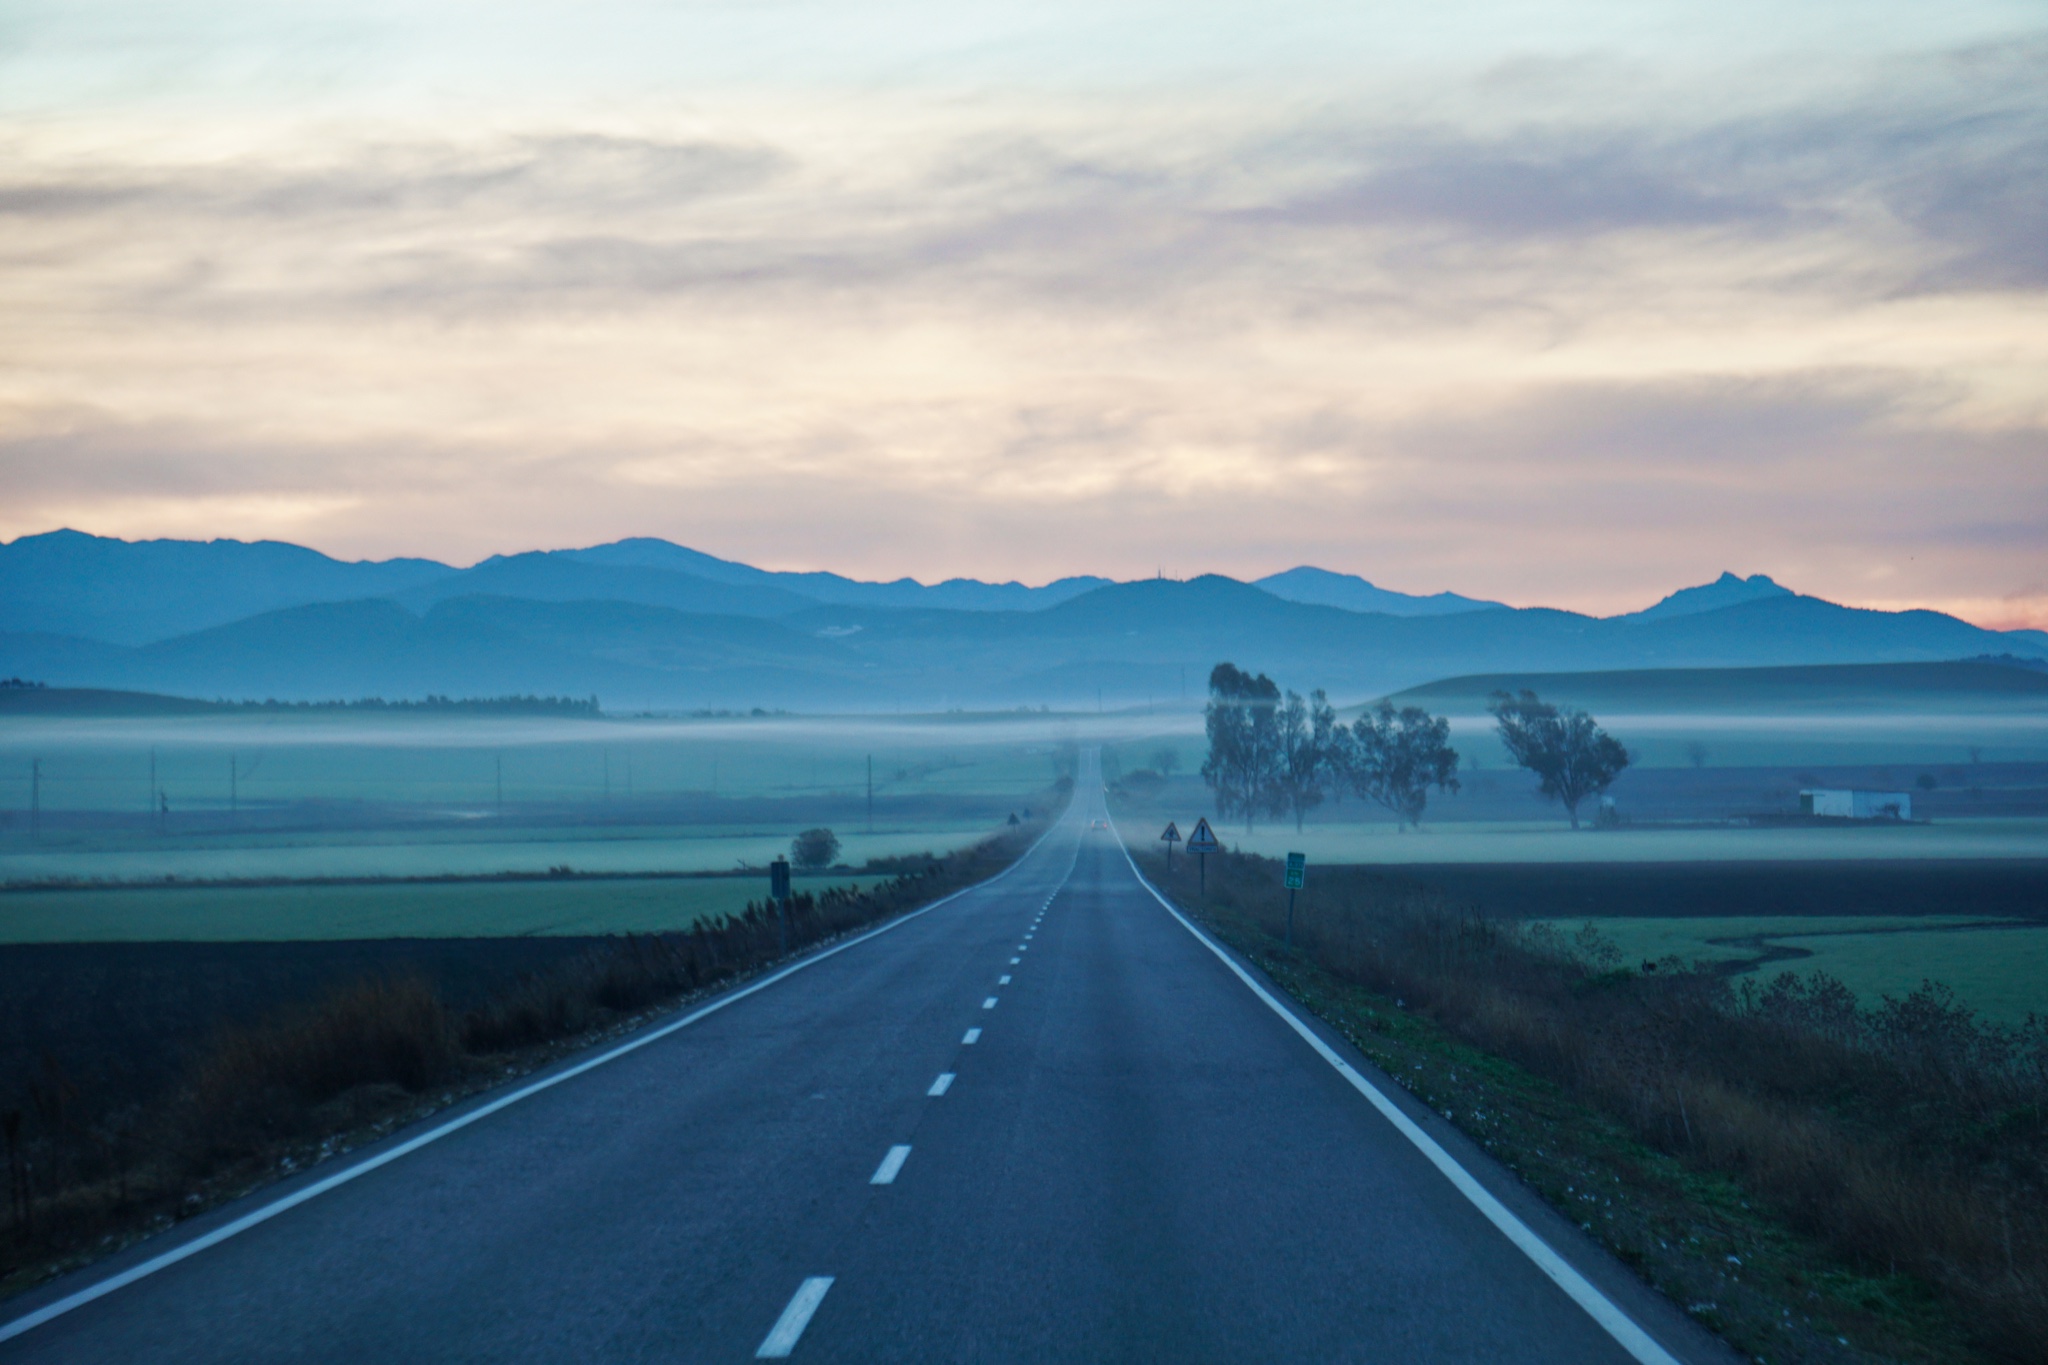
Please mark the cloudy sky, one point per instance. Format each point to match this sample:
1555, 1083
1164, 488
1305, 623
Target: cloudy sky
1568, 303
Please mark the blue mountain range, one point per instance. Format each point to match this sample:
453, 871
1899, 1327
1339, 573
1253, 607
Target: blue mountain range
646, 622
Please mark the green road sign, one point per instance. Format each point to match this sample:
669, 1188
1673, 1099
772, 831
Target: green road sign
1297, 865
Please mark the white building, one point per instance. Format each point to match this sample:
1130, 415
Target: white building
1844, 804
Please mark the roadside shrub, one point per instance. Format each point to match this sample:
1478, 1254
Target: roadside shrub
259, 1084
814, 848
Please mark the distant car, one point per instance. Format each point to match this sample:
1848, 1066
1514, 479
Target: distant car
1100, 824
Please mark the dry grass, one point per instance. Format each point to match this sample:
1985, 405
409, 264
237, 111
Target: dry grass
1910, 1138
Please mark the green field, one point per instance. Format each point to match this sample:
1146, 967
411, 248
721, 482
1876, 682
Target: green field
459, 853
104, 763
1552, 841
335, 794
1999, 968
375, 911
1950, 685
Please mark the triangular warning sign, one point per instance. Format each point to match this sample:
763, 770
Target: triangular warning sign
1172, 835
1202, 841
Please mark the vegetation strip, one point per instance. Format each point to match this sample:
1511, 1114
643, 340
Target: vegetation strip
358, 1062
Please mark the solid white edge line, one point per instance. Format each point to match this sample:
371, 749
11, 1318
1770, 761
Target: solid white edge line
941, 1085
892, 1165
143, 1270
1603, 1310
782, 1337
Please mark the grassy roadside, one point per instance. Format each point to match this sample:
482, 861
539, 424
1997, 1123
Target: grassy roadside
1694, 1228
311, 1083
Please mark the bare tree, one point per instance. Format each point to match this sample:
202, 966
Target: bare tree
1562, 745
1395, 757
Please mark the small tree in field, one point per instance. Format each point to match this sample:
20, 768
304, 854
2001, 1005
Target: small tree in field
1562, 745
1395, 757
814, 848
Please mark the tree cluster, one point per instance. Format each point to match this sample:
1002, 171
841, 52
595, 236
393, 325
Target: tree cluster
1280, 754
1275, 753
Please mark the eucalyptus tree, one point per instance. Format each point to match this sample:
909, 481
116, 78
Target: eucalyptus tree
1309, 750
1395, 757
1243, 763
1567, 750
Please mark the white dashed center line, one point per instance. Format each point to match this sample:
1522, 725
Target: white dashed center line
989, 1003
1015, 960
973, 1036
781, 1339
942, 1084
885, 1174
1002, 981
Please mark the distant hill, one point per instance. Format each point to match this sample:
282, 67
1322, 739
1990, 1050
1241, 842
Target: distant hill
67, 583
88, 701
1320, 587
97, 701
1725, 591
647, 624
954, 594
1824, 686
1134, 642
565, 576
132, 592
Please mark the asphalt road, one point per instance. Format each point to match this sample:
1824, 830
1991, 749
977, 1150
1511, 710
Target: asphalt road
1116, 1151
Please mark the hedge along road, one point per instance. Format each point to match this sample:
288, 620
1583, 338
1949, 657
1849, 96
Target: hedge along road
1043, 1120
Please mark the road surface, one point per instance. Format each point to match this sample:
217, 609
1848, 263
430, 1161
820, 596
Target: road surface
1042, 1121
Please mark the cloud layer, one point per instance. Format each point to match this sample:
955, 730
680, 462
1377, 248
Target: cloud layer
1567, 331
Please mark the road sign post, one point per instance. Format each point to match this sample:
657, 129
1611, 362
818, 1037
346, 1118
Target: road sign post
1170, 838
1297, 870
1202, 843
778, 891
